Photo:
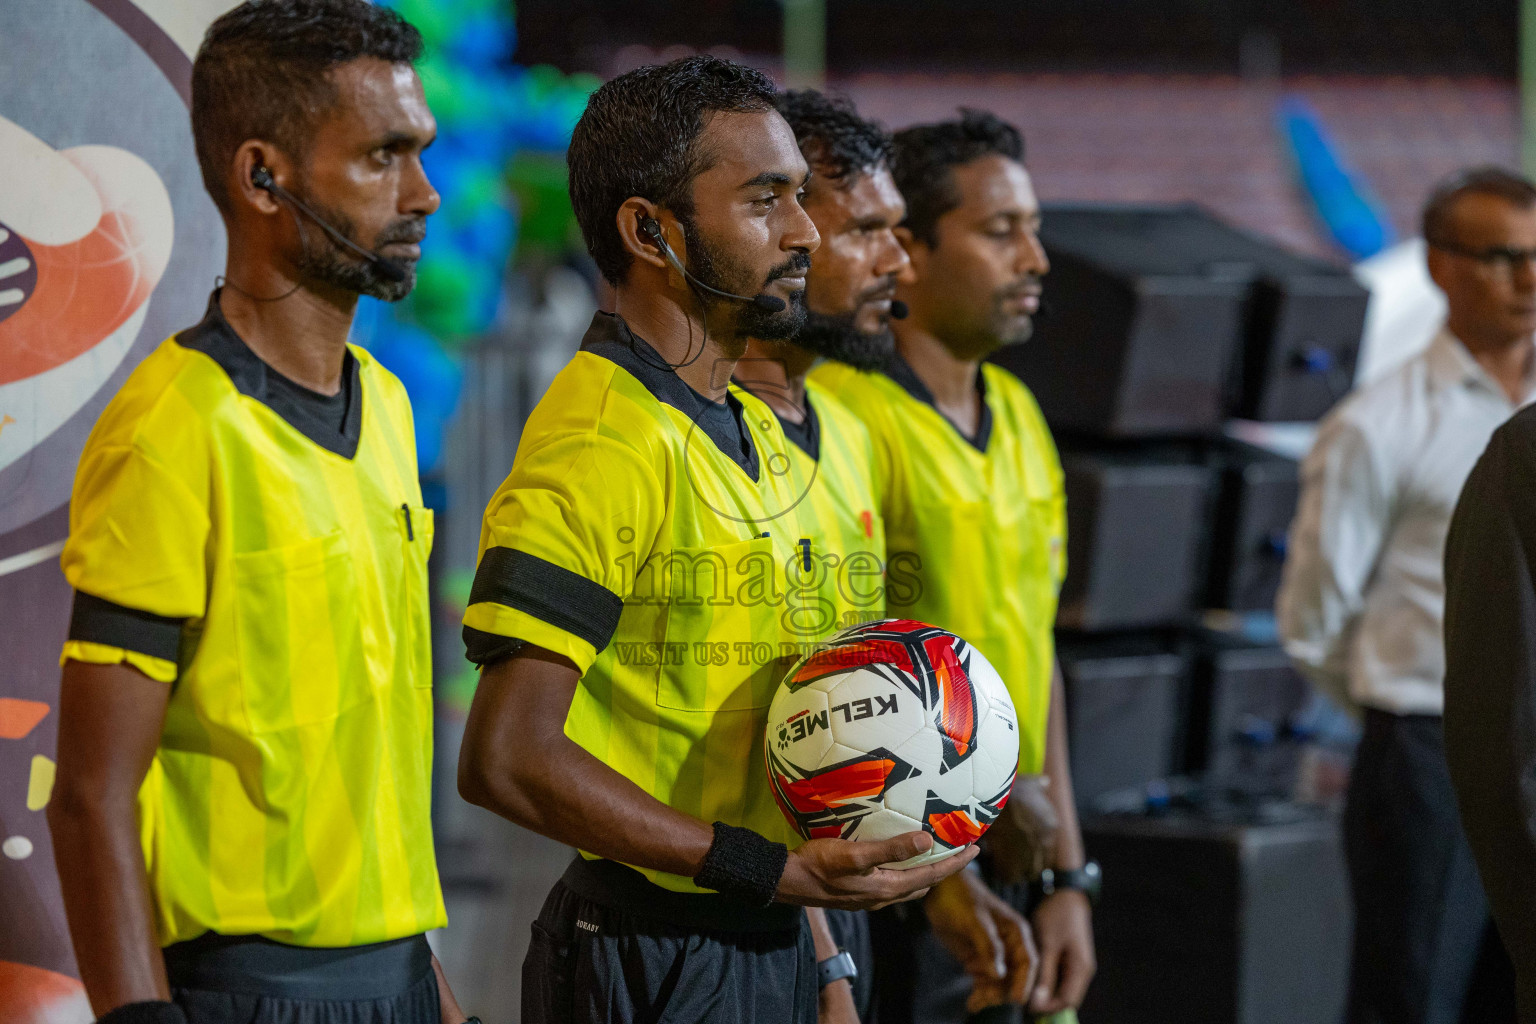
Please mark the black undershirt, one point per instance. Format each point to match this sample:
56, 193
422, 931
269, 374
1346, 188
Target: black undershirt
329, 412
805, 435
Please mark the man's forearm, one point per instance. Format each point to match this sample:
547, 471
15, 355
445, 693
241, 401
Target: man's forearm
110, 717
561, 791
107, 902
1069, 837
518, 762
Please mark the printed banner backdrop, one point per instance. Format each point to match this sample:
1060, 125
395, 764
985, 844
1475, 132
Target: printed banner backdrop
108, 244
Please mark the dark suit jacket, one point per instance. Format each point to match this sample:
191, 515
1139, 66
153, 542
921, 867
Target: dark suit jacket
1490, 682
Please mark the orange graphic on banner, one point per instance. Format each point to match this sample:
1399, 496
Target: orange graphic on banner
18, 717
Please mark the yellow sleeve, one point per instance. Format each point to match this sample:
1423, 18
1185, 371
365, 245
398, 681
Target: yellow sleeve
561, 547
136, 556
158, 669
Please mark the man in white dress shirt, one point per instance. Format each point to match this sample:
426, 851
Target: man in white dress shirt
1363, 597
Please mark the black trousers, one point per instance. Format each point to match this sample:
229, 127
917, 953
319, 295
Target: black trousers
1425, 950
219, 979
606, 949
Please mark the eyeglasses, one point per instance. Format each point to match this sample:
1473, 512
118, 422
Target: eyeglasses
1499, 259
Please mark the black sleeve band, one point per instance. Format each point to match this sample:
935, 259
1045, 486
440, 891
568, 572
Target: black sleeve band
153, 1012
101, 622
564, 599
743, 864
482, 648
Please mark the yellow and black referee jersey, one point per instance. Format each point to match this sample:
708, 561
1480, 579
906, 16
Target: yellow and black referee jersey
653, 537
834, 461
975, 527
262, 549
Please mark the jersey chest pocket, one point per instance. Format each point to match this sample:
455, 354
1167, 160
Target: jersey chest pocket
725, 628
297, 626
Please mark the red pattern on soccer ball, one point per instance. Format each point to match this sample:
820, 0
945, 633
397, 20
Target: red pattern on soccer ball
905, 668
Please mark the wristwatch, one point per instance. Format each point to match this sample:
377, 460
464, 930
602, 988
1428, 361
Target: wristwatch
1087, 880
837, 967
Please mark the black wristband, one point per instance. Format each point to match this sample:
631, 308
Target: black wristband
155, 1011
743, 864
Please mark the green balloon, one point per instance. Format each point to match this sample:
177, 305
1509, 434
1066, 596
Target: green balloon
545, 217
443, 299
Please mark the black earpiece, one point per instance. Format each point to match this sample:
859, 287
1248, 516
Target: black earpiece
651, 232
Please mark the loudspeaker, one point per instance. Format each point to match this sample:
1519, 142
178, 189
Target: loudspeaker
1141, 332
1302, 337
1246, 707
1208, 921
1136, 542
1125, 712
1165, 321
1255, 503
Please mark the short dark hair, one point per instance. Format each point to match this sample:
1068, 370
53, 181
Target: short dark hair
261, 73
925, 155
1482, 181
639, 136
834, 139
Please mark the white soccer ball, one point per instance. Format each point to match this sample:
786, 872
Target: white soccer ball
891, 727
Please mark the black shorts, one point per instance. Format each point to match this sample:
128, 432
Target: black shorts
610, 947
219, 979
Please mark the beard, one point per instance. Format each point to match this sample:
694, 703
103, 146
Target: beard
329, 264
1008, 328
715, 269
838, 339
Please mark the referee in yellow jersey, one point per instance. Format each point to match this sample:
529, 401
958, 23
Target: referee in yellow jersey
850, 300
973, 501
643, 576
242, 815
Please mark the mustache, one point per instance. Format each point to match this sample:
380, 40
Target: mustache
1019, 289
797, 264
411, 230
884, 290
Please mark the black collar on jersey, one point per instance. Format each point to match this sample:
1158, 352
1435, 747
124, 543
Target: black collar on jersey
806, 435
722, 422
900, 371
314, 415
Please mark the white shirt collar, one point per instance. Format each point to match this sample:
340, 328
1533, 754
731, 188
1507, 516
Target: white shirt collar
1450, 364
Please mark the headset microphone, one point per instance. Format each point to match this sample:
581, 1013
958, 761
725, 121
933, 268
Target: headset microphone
899, 310
387, 268
652, 231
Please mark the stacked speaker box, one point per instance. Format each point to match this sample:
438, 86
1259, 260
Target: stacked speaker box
1247, 708
1218, 918
1135, 535
1256, 500
1125, 713
1165, 321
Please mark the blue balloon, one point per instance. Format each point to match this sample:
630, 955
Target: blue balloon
1342, 199
483, 41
